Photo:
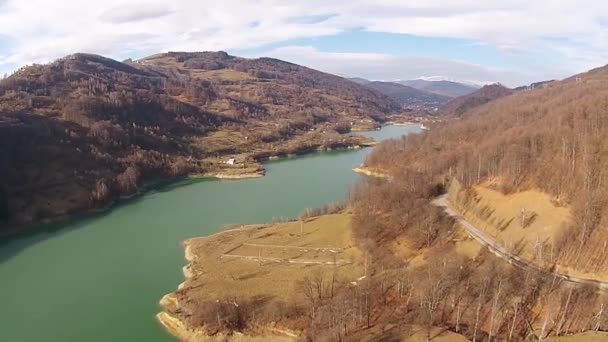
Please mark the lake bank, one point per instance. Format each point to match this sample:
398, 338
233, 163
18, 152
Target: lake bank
259, 261
371, 172
248, 165
85, 263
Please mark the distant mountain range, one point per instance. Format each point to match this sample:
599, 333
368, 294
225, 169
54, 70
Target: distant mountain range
408, 97
445, 88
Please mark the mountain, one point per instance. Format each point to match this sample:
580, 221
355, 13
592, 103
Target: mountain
409, 97
445, 88
84, 130
534, 85
360, 80
460, 105
530, 172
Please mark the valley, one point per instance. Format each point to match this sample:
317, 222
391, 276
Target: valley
303, 171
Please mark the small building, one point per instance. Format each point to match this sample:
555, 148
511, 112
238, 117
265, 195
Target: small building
231, 161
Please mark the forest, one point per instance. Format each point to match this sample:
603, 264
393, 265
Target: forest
85, 130
550, 139
460, 105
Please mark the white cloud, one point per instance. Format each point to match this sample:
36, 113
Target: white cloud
390, 67
44, 30
134, 12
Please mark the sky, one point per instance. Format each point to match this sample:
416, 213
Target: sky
514, 42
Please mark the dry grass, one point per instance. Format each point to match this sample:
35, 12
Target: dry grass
254, 262
223, 74
460, 243
500, 216
582, 337
228, 265
410, 333
466, 245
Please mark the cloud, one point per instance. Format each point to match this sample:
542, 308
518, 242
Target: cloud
390, 67
134, 12
44, 30
310, 19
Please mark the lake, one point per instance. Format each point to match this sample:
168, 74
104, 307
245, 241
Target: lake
100, 278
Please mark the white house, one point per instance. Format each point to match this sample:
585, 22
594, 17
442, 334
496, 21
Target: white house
231, 161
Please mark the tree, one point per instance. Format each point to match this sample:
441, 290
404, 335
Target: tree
127, 181
4, 210
100, 192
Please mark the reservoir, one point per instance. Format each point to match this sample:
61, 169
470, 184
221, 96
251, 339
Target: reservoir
100, 278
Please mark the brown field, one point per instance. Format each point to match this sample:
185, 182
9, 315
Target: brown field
269, 260
466, 245
410, 333
261, 261
582, 337
460, 243
520, 221
224, 74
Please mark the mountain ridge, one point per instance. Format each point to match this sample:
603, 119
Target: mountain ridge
408, 97
84, 130
445, 88
460, 105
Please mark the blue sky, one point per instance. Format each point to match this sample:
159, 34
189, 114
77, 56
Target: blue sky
361, 41
513, 42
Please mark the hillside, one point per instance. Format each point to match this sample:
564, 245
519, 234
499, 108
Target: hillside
409, 97
532, 167
360, 80
460, 105
534, 85
444, 88
528, 168
84, 130
549, 139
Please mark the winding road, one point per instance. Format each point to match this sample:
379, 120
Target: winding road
504, 253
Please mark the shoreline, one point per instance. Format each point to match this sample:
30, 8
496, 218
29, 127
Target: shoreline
17, 230
33, 227
229, 176
178, 328
371, 172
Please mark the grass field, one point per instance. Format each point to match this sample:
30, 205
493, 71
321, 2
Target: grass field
268, 260
410, 333
521, 221
582, 337
262, 261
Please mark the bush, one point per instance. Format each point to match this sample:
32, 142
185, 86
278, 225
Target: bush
328, 209
437, 190
127, 181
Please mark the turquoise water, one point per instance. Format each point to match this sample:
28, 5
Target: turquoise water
100, 278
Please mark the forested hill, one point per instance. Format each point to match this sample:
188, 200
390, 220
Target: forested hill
85, 129
552, 139
549, 141
460, 105
444, 88
409, 97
